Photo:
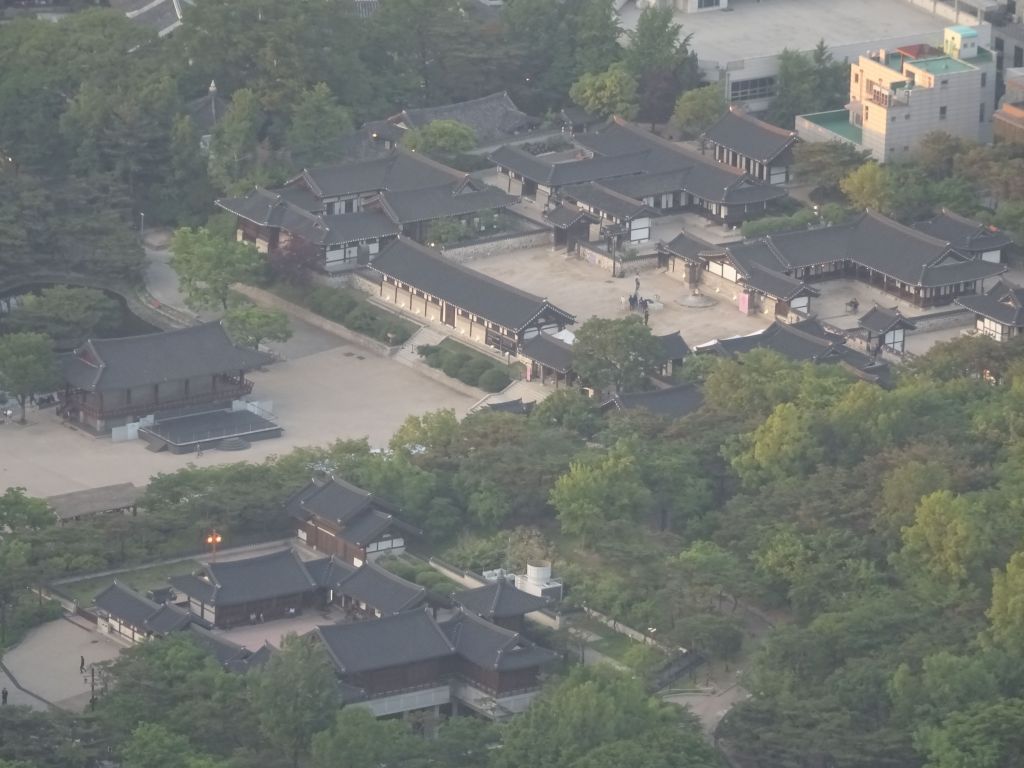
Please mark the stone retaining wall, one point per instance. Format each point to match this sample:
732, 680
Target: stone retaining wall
470, 251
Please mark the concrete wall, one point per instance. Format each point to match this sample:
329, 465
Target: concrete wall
813, 132
946, 11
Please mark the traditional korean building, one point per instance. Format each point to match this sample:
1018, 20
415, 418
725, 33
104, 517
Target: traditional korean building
492, 118
486, 311
885, 328
118, 499
111, 382
126, 614
226, 594
900, 260
757, 148
338, 217
674, 350
999, 313
803, 342
981, 241
671, 402
410, 661
337, 518
499, 602
372, 591
629, 161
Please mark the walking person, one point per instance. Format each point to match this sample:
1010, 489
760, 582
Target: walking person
3, 697
638, 283
81, 665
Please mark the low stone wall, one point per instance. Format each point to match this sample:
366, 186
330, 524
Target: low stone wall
597, 256
490, 247
265, 299
938, 321
622, 629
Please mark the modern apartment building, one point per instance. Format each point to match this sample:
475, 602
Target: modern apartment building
899, 96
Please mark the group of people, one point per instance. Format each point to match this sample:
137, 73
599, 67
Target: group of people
640, 304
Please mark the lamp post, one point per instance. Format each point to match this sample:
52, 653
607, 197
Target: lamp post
142, 225
213, 539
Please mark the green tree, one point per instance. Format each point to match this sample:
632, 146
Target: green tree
443, 138
698, 109
1006, 614
596, 36
153, 746
67, 314
235, 150
659, 59
184, 199
785, 445
936, 154
357, 737
208, 266
601, 718
569, 409
615, 353
20, 512
946, 542
825, 164
985, 735
612, 92
15, 578
869, 186
807, 83
296, 696
593, 496
27, 366
250, 325
317, 127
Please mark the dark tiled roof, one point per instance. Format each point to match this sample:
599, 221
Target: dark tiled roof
516, 406
673, 402
263, 577
564, 216
193, 586
382, 590
491, 118
549, 351
367, 527
201, 350
352, 227
557, 174
94, 500
218, 646
441, 202
499, 599
168, 618
579, 116
963, 233
1004, 303
749, 136
489, 646
329, 571
884, 319
425, 269
333, 499
605, 200
806, 341
643, 185
776, 284
673, 346
391, 641
692, 248
125, 604
397, 171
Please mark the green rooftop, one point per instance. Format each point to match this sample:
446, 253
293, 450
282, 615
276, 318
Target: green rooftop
942, 65
838, 122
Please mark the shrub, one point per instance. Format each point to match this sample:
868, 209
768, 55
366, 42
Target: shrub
454, 362
426, 350
332, 304
473, 370
362, 319
435, 359
494, 380
396, 334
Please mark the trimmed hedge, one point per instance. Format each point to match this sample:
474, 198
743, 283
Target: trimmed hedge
356, 313
476, 371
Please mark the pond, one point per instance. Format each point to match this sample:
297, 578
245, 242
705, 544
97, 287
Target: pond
125, 324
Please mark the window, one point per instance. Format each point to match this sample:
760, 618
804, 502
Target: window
981, 112
942, 113
892, 119
984, 79
856, 77
865, 114
756, 88
708, 4
1018, 56
997, 43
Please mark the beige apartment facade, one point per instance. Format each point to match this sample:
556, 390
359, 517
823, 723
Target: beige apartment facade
897, 97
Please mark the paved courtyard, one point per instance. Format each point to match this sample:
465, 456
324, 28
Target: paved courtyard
255, 635
586, 291
341, 392
754, 28
46, 663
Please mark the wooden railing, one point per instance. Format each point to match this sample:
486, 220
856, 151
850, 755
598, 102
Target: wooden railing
232, 392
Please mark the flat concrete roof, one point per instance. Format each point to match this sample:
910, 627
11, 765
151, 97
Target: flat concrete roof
750, 29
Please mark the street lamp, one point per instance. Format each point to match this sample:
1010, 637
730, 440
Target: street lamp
213, 539
142, 225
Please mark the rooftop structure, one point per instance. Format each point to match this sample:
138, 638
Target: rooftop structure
751, 145
492, 118
897, 97
671, 402
120, 498
999, 313
983, 241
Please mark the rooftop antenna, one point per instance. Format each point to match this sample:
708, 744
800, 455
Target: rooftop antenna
213, 99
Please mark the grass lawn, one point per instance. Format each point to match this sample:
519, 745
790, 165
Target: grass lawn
140, 579
614, 647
